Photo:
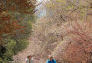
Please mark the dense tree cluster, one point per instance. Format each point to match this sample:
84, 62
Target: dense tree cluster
70, 20
65, 33
15, 26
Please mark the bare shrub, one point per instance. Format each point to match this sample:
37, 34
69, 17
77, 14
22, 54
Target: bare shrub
80, 48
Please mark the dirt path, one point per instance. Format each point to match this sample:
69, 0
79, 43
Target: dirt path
32, 49
34, 42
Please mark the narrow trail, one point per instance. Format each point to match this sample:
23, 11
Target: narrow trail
34, 42
40, 42
32, 49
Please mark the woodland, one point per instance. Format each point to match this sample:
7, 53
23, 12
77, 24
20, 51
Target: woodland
61, 28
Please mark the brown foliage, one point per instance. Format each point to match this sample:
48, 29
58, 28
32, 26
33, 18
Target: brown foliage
8, 27
16, 5
8, 23
80, 48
